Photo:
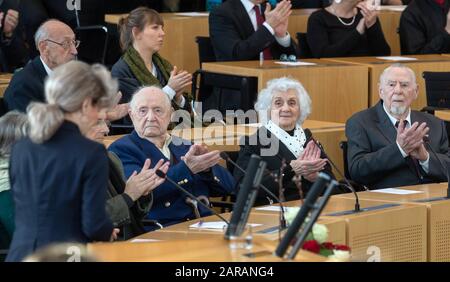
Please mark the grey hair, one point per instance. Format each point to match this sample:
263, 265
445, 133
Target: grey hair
67, 87
42, 32
13, 126
264, 102
384, 74
135, 94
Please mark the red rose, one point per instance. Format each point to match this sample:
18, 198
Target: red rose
342, 248
311, 246
328, 245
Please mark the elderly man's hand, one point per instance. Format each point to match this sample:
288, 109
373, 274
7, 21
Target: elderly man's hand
279, 15
411, 138
198, 159
11, 22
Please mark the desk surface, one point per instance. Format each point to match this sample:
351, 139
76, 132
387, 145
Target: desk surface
443, 114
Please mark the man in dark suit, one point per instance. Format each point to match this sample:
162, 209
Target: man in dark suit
242, 29
192, 166
57, 46
425, 27
387, 144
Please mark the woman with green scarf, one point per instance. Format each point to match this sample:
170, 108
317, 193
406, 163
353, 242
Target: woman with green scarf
141, 37
13, 126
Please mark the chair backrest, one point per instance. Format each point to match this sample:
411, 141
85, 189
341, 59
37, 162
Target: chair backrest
304, 50
437, 85
94, 41
3, 109
205, 49
344, 146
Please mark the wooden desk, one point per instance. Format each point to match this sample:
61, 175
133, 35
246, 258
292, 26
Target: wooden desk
196, 250
5, 78
438, 215
227, 138
376, 67
443, 114
337, 90
399, 233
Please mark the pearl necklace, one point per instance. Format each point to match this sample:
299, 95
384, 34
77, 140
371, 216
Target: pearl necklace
342, 22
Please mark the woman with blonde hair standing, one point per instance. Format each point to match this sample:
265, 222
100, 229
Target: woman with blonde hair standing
58, 177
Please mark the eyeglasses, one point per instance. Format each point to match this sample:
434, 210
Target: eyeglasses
66, 44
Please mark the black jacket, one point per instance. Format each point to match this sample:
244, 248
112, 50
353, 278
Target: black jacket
26, 86
234, 38
254, 145
422, 28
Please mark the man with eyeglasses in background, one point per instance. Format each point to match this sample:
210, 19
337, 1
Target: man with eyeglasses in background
389, 143
56, 44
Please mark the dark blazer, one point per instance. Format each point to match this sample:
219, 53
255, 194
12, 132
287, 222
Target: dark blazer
169, 205
26, 86
373, 155
263, 140
59, 190
124, 213
422, 28
234, 38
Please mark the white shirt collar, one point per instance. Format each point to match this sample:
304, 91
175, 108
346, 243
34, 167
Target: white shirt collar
47, 69
293, 143
248, 5
394, 120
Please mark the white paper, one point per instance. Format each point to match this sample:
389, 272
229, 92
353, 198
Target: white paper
396, 191
274, 208
397, 58
252, 124
395, 8
296, 63
217, 225
138, 240
192, 14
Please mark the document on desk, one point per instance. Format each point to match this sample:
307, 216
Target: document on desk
396, 191
296, 63
215, 225
138, 240
192, 14
397, 58
275, 208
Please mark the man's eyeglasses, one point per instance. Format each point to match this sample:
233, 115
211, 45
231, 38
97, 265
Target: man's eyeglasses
66, 44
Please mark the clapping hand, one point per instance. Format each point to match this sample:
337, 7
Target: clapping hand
198, 158
309, 163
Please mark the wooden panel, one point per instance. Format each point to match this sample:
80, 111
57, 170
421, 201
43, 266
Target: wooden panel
443, 114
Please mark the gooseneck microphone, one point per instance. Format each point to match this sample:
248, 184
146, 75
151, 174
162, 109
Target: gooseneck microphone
161, 174
347, 183
426, 140
225, 156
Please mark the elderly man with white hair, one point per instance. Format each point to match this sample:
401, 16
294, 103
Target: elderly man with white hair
283, 106
191, 165
389, 144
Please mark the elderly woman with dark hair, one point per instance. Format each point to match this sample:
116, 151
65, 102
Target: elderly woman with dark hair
283, 106
13, 126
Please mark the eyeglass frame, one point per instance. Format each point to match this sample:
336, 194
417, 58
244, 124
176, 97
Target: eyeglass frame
75, 43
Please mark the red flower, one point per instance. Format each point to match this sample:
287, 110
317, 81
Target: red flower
328, 245
311, 246
342, 248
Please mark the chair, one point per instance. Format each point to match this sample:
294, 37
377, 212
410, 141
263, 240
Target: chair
304, 50
94, 41
437, 86
204, 83
358, 187
3, 109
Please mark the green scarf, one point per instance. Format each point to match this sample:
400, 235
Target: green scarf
145, 77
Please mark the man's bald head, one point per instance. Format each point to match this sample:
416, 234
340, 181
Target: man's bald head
55, 41
150, 111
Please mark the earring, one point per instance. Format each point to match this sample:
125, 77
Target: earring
337, 1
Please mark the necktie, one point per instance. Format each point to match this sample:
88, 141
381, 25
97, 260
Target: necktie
405, 122
259, 22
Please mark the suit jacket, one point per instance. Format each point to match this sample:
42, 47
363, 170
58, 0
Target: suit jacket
59, 190
26, 86
254, 145
169, 205
422, 28
234, 38
124, 213
373, 155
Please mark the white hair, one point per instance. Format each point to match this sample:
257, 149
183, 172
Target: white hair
386, 71
142, 88
43, 32
282, 84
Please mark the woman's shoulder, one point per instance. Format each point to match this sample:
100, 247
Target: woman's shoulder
120, 68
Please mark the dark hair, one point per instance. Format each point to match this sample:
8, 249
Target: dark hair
139, 18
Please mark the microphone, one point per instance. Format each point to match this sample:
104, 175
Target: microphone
347, 183
161, 174
426, 140
225, 156
76, 13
